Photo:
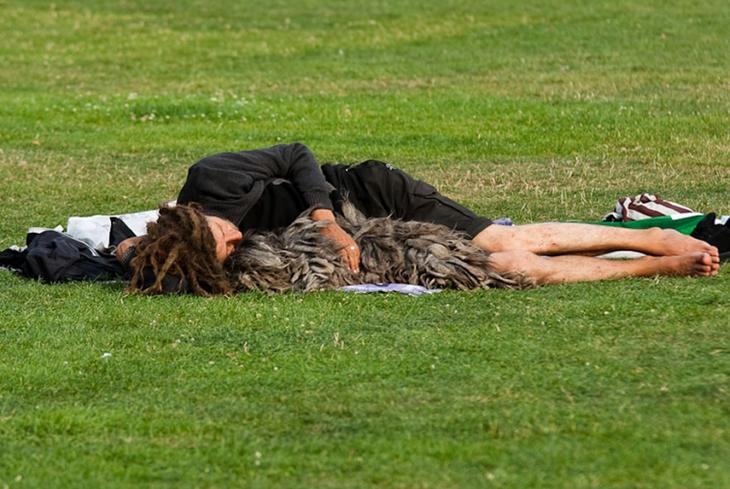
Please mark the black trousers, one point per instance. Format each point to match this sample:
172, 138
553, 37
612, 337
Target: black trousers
378, 189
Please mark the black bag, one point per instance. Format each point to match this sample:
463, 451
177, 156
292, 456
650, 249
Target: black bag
51, 256
717, 235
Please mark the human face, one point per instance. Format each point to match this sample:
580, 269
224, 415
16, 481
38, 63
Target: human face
226, 236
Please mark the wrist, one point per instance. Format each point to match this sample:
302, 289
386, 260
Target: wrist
322, 215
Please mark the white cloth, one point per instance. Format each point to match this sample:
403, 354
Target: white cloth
407, 289
94, 230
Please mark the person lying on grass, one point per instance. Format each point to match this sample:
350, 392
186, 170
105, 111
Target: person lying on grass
230, 194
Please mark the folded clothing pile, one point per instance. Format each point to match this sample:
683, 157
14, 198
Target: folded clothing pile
716, 232
650, 209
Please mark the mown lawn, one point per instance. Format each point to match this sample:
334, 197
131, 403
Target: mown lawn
539, 111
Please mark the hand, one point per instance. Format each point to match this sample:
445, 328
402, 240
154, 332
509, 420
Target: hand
123, 246
348, 248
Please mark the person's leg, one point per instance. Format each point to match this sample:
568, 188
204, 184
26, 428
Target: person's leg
378, 189
543, 270
575, 238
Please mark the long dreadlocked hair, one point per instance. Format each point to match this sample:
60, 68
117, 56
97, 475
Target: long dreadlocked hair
179, 245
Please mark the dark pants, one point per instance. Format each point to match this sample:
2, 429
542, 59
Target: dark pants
378, 190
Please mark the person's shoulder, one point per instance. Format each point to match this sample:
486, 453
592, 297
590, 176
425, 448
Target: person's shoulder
277, 152
281, 152
215, 158
294, 146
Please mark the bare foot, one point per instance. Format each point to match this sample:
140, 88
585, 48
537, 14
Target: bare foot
670, 242
696, 264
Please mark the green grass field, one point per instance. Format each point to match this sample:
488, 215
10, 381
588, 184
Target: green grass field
541, 111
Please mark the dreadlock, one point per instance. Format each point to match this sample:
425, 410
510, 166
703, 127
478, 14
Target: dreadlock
179, 245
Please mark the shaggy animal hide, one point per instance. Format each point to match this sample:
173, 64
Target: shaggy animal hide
300, 258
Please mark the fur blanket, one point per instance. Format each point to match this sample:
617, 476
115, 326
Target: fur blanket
299, 258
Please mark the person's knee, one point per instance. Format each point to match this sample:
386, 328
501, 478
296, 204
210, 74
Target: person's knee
517, 264
494, 238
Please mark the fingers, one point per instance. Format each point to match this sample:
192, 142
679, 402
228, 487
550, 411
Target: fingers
355, 264
348, 249
351, 254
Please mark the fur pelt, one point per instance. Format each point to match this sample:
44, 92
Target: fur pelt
300, 258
